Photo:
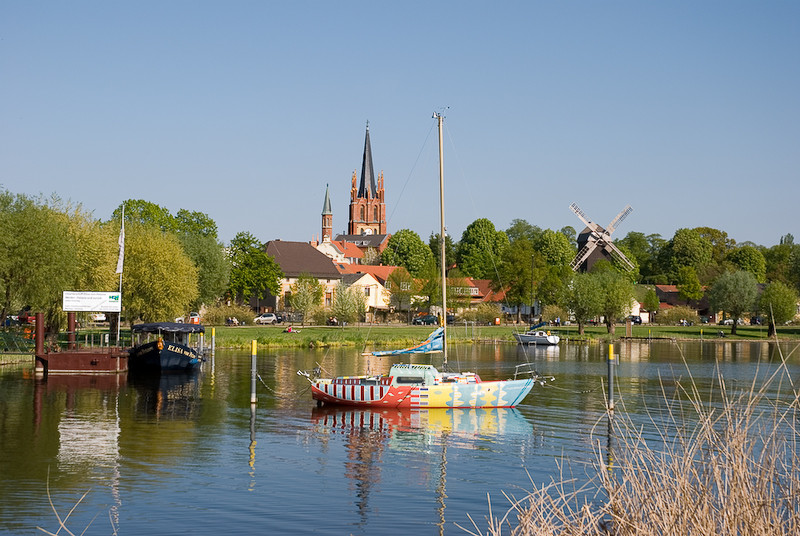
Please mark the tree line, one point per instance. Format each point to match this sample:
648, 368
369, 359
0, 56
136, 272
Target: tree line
532, 264
175, 263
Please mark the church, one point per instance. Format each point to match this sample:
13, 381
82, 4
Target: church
366, 228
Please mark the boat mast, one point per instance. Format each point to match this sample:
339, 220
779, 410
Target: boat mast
442, 242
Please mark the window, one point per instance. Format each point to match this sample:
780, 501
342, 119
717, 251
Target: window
366, 291
375, 213
405, 285
362, 213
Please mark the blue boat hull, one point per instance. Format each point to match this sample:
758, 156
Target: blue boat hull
172, 357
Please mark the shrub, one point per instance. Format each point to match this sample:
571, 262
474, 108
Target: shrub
217, 314
676, 314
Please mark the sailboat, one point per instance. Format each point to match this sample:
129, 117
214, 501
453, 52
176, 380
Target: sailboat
414, 386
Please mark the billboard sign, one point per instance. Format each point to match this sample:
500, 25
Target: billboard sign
92, 302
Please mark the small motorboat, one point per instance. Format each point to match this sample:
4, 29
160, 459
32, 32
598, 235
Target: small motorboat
537, 336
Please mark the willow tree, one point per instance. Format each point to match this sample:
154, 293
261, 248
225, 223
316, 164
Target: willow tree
160, 280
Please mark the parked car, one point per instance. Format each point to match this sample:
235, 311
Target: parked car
636, 319
97, 317
266, 318
426, 320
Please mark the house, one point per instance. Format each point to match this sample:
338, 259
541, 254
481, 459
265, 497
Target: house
295, 259
375, 294
341, 252
669, 296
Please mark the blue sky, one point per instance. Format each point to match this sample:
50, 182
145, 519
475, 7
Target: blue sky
688, 111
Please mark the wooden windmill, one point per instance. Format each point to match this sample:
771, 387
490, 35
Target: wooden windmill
594, 242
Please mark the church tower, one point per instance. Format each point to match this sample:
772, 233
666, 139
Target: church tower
367, 204
327, 217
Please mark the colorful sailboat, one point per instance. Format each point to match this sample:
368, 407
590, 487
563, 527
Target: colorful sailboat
424, 386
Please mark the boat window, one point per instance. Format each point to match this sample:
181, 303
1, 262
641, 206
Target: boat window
408, 379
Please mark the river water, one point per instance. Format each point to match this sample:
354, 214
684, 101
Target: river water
190, 455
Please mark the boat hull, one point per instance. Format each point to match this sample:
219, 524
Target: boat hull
487, 394
536, 338
171, 357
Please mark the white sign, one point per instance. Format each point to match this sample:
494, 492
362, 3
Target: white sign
93, 302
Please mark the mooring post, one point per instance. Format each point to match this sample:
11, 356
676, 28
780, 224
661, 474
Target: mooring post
611, 363
213, 341
253, 398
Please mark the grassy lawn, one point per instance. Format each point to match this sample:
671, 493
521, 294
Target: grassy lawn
399, 336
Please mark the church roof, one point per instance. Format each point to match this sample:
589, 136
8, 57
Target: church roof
367, 188
326, 206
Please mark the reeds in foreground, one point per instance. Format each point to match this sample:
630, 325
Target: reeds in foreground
724, 465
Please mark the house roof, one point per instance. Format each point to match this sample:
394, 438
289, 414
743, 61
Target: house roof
350, 250
296, 258
379, 272
486, 294
376, 241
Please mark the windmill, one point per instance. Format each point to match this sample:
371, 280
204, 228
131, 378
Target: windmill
594, 242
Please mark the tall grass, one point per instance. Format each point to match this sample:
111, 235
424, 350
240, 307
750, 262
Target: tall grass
721, 463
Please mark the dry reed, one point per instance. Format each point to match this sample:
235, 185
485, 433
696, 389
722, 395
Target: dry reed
724, 463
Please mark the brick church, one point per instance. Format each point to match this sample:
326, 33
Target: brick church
366, 228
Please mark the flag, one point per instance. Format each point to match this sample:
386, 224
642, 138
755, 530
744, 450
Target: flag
121, 258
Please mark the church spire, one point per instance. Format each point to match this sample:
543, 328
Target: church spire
367, 188
326, 206
327, 217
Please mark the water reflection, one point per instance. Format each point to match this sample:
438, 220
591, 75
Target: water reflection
369, 434
166, 396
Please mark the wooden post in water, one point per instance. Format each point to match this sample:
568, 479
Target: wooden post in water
253, 398
611, 363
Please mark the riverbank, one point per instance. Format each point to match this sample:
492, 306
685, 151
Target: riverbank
369, 337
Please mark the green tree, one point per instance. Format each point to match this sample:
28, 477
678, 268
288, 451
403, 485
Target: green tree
522, 230
449, 249
617, 293
687, 248
213, 266
480, 249
195, 223
38, 260
721, 245
428, 286
160, 281
734, 293
779, 303
749, 259
651, 302
405, 248
689, 287
583, 298
554, 247
252, 271
349, 303
146, 213
307, 294
401, 285
515, 274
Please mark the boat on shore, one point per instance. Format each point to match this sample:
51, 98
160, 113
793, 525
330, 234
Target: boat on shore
164, 347
537, 336
417, 386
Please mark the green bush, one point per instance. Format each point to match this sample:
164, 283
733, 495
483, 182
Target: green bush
217, 315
